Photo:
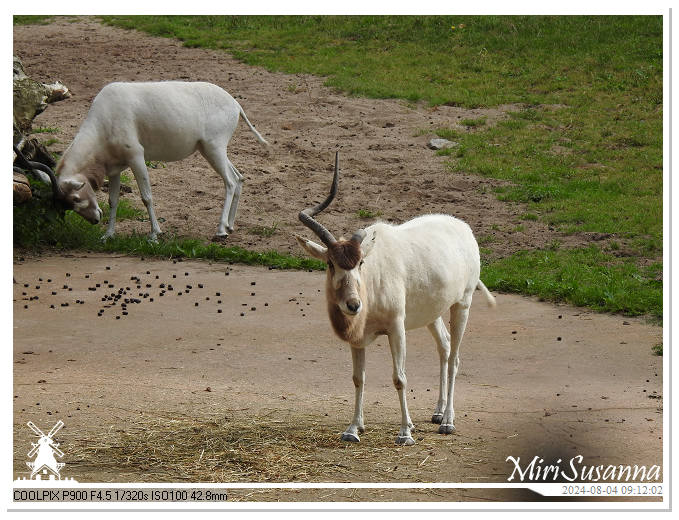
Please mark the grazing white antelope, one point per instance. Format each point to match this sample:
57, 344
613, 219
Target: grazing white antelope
130, 123
388, 279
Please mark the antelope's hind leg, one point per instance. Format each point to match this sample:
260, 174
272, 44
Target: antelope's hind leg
442, 337
458, 322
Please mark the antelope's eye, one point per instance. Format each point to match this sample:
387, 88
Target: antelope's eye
360, 264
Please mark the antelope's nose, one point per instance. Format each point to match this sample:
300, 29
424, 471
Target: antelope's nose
354, 305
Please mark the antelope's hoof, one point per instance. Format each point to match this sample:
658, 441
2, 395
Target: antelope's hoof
405, 441
446, 429
437, 418
220, 238
350, 437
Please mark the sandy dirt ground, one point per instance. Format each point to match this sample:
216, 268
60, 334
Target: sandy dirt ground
535, 379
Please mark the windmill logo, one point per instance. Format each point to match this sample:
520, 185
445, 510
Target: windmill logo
45, 465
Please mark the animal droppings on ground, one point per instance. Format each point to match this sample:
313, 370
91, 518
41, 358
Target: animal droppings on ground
155, 286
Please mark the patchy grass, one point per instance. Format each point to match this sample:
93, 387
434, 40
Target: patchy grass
368, 214
32, 19
265, 231
44, 130
72, 232
586, 277
125, 211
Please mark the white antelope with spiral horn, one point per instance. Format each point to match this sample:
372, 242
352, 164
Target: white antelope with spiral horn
388, 279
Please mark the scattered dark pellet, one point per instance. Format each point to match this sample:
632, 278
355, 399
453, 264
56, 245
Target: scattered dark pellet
219, 310
117, 317
558, 338
218, 294
196, 304
242, 314
108, 267
253, 283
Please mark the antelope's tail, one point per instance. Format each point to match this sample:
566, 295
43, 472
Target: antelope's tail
252, 128
490, 299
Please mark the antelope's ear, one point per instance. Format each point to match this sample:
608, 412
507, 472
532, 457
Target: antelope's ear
314, 249
367, 244
71, 185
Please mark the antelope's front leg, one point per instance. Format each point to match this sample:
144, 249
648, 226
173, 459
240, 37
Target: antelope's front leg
113, 197
141, 174
356, 426
397, 343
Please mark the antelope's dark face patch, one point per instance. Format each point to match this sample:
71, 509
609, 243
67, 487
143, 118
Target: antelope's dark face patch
345, 254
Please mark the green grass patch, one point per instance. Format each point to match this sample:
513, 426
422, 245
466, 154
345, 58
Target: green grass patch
125, 211
473, 123
265, 231
367, 213
37, 225
586, 277
44, 130
657, 349
32, 19
490, 61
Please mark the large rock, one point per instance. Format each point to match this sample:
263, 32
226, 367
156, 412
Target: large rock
31, 97
22, 189
440, 144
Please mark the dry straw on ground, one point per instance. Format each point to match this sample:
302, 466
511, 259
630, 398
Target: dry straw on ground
242, 448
